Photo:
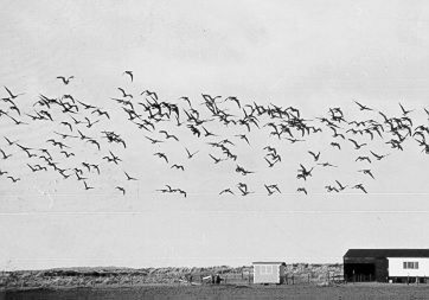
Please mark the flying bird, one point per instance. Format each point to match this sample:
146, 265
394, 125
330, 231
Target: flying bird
190, 155
360, 187
14, 180
362, 107
233, 99
121, 189
11, 95
9, 141
334, 144
129, 73
330, 188
315, 156
404, 111
362, 158
124, 94
86, 105
162, 155
67, 154
101, 113
87, 187
67, 124
129, 177
302, 190
341, 187
90, 123
169, 136
153, 95
182, 192
327, 164
65, 80
357, 145
228, 190
5, 156
154, 141
216, 160
270, 163
178, 167
243, 137
367, 172
379, 156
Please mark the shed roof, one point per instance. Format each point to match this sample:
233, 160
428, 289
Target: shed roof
268, 263
387, 253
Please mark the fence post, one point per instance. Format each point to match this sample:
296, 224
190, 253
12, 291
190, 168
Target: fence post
308, 278
293, 279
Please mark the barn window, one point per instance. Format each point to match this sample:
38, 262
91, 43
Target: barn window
411, 264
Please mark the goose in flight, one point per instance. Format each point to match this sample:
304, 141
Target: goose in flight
357, 145
315, 156
121, 189
302, 190
65, 80
14, 180
341, 187
130, 74
404, 111
379, 156
5, 156
367, 172
190, 155
129, 177
362, 107
124, 94
178, 167
360, 187
11, 95
228, 190
87, 187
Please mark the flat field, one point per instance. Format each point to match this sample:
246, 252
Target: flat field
297, 292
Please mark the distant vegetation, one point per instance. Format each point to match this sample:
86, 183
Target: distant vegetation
112, 276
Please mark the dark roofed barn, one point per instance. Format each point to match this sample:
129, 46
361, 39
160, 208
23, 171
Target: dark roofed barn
373, 264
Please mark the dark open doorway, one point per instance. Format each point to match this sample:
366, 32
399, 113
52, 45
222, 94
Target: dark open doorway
359, 272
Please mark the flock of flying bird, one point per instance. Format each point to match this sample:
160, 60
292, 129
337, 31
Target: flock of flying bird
75, 125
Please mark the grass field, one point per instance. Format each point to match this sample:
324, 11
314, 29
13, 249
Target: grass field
343, 292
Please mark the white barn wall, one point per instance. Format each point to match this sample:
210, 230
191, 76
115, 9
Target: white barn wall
396, 268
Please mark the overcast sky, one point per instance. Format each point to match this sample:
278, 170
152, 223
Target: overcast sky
309, 54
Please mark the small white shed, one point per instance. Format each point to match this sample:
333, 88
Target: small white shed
268, 272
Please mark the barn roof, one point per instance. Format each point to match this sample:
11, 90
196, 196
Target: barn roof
387, 253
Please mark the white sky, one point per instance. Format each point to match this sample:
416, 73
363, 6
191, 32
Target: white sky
309, 54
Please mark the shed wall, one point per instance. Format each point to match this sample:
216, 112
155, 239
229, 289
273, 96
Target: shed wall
267, 273
396, 267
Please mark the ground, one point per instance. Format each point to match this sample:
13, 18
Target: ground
297, 292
